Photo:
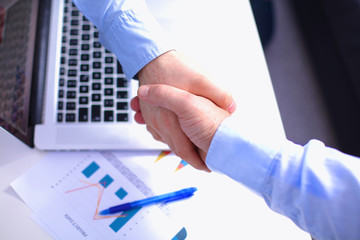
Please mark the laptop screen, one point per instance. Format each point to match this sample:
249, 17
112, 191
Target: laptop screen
17, 44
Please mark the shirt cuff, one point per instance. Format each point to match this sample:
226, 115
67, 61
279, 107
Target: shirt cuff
135, 37
242, 157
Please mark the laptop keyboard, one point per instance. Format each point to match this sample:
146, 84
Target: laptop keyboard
92, 85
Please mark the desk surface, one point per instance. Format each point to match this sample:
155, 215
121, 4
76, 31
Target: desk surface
246, 213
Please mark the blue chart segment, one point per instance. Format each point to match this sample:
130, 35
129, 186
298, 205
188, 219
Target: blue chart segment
121, 193
91, 169
181, 235
105, 181
121, 221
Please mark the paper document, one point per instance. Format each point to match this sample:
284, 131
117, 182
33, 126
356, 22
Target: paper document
67, 190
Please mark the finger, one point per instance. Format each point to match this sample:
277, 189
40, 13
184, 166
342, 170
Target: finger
172, 134
181, 144
139, 118
135, 104
171, 98
155, 134
187, 151
217, 95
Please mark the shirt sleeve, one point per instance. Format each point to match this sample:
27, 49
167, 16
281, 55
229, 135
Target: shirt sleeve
128, 29
317, 187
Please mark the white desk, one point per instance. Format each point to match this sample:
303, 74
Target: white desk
246, 215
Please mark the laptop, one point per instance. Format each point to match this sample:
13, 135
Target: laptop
60, 89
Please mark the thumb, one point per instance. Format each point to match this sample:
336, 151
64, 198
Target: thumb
171, 98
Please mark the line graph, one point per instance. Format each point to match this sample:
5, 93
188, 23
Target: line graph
81, 184
101, 188
105, 186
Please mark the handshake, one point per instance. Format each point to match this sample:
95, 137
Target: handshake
181, 106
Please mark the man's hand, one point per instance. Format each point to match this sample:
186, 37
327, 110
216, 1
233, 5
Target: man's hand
176, 70
199, 118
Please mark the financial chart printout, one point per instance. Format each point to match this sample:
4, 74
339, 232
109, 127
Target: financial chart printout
68, 190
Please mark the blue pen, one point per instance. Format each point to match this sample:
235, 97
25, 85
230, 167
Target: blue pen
168, 197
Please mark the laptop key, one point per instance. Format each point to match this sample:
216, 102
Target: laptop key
59, 117
72, 73
122, 106
97, 45
85, 47
83, 114
83, 100
96, 86
96, 75
86, 27
70, 117
73, 52
121, 83
96, 97
84, 89
85, 57
75, 13
60, 105
85, 37
61, 94
109, 81
96, 113
73, 42
75, 22
70, 94
122, 94
84, 78
108, 91
70, 106
96, 54
122, 117
109, 60
71, 84
84, 67
109, 70
108, 103
97, 65
108, 116
72, 62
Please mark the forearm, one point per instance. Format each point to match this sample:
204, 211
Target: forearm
316, 187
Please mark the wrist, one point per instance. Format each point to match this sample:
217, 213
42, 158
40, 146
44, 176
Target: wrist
153, 72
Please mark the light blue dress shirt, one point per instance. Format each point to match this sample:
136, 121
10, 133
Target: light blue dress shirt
315, 186
128, 29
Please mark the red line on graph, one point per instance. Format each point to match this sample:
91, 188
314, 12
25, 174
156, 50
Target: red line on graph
101, 188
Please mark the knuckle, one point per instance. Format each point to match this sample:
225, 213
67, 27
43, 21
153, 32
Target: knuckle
158, 91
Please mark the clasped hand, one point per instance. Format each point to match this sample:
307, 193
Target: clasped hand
181, 106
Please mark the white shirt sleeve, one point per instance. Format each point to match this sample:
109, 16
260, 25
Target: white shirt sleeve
315, 186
